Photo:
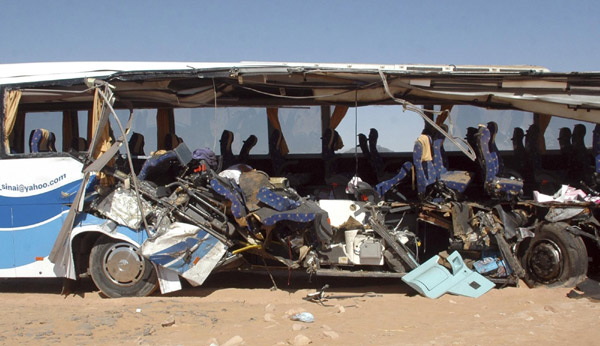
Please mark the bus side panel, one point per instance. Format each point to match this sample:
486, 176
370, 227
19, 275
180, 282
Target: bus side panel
34, 199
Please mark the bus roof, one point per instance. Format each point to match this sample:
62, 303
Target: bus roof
574, 95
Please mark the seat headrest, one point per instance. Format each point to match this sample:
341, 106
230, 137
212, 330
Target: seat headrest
226, 138
518, 134
251, 141
579, 131
136, 144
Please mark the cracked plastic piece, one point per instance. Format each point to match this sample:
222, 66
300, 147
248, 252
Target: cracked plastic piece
432, 280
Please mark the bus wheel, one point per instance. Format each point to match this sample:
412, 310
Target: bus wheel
555, 257
118, 270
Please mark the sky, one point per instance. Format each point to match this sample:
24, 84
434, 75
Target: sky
560, 35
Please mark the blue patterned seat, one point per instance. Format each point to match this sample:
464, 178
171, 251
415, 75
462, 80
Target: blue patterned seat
495, 186
456, 180
423, 162
226, 189
387, 185
276, 207
493, 128
41, 141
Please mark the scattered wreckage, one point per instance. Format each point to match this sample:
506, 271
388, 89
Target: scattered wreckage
182, 214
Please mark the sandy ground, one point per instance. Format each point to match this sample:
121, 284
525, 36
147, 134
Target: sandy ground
241, 309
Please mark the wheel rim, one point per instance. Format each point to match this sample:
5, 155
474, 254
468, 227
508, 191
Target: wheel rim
123, 265
546, 261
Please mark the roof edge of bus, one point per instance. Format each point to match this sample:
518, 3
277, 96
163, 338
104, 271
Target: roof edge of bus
45, 71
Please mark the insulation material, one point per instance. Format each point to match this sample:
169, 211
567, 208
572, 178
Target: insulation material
122, 207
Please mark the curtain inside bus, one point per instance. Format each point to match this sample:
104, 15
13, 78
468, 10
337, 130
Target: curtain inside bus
336, 118
11, 104
165, 125
70, 129
103, 143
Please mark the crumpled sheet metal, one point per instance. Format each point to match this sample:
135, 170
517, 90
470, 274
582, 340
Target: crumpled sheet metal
186, 249
122, 207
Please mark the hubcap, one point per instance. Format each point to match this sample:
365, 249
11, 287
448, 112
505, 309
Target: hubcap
546, 261
123, 265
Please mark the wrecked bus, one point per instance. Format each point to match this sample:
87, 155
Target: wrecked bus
130, 173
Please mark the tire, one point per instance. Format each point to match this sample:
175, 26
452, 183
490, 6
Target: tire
555, 257
118, 270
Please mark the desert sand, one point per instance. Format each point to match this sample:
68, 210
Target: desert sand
243, 309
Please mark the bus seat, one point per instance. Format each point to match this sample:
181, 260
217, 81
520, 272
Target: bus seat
387, 185
227, 189
249, 143
157, 167
136, 144
376, 160
226, 153
423, 162
364, 146
41, 141
329, 143
455, 180
495, 186
531, 147
79, 144
519, 153
596, 147
172, 141
493, 127
581, 159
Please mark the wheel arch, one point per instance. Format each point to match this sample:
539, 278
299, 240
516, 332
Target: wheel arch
82, 241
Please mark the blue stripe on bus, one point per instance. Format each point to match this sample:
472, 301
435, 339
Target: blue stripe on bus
31, 210
21, 247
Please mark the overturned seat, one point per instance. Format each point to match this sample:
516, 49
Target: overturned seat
255, 197
455, 180
496, 187
41, 141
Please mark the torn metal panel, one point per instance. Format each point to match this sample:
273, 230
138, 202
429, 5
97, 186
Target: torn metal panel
121, 206
186, 249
